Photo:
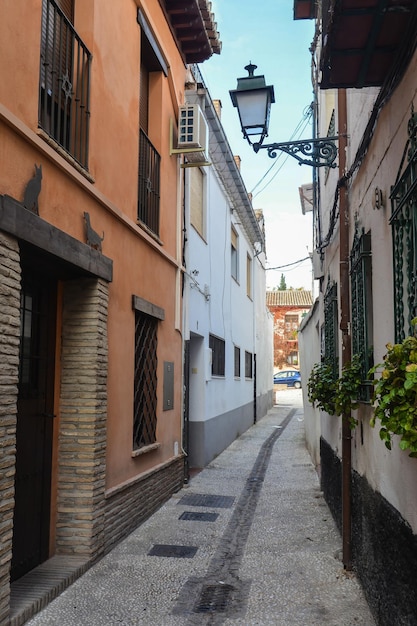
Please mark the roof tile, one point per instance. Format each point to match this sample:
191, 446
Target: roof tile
289, 297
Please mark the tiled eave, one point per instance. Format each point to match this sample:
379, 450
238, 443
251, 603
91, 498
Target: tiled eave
362, 40
194, 28
289, 297
305, 9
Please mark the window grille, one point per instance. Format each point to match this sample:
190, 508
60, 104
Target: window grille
149, 184
145, 398
64, 86
331, 350
361, 300
237, 362
217, 347
248, 364
404, 236
291, 321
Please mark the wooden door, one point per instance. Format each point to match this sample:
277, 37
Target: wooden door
34, 423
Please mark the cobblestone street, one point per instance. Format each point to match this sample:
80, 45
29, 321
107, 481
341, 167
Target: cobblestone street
249, 541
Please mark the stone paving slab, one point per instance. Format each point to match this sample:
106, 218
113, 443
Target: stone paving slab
272, 557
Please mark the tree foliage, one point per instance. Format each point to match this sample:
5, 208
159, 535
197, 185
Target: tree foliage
282, 284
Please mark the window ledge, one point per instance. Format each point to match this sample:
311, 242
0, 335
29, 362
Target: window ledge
145, 449
65, 155
150, 232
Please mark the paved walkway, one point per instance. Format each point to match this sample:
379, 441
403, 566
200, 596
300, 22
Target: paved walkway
249, 541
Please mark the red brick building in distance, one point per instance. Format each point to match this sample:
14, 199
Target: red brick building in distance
288, 307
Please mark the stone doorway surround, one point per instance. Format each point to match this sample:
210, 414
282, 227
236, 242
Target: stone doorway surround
9, 375
81, 423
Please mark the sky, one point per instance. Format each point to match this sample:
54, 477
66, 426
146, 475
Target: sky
266, 34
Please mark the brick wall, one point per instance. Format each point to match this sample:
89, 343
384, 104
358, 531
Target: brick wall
130, 505
9, 371
83, 414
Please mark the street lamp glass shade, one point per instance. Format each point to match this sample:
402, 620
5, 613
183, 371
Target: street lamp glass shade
253, 99
254, 107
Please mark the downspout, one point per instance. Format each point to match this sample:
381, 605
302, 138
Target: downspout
345, 326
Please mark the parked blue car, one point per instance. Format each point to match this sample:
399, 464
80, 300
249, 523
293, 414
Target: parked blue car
290, 378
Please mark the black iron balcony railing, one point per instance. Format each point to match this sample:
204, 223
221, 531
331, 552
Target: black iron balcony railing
149, 184
64, 107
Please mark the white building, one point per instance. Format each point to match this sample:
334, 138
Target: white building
365, 260
227, 327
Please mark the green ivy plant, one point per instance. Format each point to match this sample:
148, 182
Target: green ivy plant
336, 396
395, 394
321, 387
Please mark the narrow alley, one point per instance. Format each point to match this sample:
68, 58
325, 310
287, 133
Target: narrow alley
249, 541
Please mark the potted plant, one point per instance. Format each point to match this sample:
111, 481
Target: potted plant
395, 394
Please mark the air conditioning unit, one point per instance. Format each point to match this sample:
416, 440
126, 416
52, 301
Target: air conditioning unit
193, 133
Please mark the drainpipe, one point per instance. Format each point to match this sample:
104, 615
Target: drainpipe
344, 327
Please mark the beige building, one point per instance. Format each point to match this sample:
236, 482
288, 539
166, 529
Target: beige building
365, 262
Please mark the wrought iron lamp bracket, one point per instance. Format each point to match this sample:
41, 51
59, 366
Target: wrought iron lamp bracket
318, 152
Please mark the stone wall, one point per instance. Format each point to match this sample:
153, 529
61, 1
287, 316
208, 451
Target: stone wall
9, 372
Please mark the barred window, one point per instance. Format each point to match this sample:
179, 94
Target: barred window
237, 362
64, 85
248, 364
145, 378
148, 184
404, 236
217, 347
151, 65
331, 347
362, 313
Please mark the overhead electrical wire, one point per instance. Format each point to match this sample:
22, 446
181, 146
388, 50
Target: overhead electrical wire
280, 267
299, 129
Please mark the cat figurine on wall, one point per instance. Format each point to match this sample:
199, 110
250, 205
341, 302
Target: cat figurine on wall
93, 239
32, 191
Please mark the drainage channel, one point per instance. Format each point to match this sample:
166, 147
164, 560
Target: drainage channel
221, 593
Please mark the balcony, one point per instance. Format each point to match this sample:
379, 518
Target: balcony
148, 184
363, 39
64, 107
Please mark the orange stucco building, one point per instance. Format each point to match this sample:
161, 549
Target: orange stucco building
90, 271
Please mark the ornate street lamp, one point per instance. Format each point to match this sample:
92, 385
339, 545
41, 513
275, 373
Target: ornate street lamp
253, 99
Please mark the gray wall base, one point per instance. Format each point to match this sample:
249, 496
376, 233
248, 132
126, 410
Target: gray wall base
209, 438
384, 548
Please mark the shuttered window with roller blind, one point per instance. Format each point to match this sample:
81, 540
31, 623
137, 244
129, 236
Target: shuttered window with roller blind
197, 214
234, 254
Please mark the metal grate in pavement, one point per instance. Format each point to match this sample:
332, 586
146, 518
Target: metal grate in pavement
209, 500
178, 552
197, 516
